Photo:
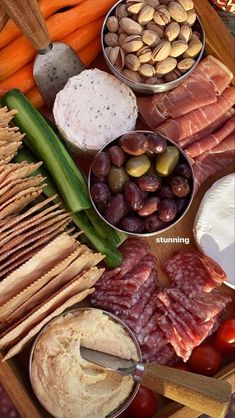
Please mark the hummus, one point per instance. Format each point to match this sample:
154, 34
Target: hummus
70, 386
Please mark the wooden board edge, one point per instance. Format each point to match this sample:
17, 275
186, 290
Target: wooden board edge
176, 410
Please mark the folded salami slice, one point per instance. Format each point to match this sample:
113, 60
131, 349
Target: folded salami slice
194, 272
173, 337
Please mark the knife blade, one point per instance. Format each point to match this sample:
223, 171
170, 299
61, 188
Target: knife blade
108, 361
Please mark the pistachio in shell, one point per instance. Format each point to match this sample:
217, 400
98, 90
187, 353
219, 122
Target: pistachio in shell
132, 62
111, 39
156, 28
132, 44
121, 11
154, 80
185, 33
130, 26
153, 3
186, 4
172, 75
162, 16
117, 57
122, 37
166, 66
161, 51
132, 75
172, 31
147, 70
191, 17
144, 54
112, 24
134, 6
178, 48
177, 12
194, 47
185, 64
150, 38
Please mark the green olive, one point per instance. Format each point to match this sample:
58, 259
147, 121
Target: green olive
117, 178
167, 161
137, 166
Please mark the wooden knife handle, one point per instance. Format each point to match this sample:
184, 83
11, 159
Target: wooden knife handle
204, 394
27, 16
3, 18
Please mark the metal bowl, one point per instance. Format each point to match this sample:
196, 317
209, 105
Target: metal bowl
183, 157
150, 88
132, 395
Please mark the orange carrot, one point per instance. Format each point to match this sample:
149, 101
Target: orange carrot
48, 8
23, 78
87, 55
20, 52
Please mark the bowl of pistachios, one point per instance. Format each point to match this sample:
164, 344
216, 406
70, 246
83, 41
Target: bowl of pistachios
152, 45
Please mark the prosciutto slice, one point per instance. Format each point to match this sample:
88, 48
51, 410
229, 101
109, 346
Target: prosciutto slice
184, 126
213, 161
212, 140
210, 129
209, 79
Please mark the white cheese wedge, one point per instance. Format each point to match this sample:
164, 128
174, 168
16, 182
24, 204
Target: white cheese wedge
92, 109
214, 226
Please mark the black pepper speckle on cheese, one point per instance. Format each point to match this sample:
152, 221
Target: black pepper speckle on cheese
92, 109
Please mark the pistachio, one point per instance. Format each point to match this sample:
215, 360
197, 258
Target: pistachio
135, 6
156, 28
151, 38
172, 31
197, 35
153, 3
147, 70
107, 50
130, 26
185, 33
194, 48
162, 16
122, 37
154, 80
186, 4
185, 65
132, 62
132, 44
162, 51
117, 57
172, 75
178, 48
177, 12
132, 75
165, 1
112, 24
144, 54
146, 15
111, 39
191, 17
121, 11
166, 66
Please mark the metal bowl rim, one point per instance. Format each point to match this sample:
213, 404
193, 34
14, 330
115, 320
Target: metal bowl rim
147, 234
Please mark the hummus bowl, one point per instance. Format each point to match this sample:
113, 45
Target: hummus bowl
68, 385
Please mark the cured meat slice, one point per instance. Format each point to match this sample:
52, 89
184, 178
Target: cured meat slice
198, 119
203, 306
132, 281
194, 273
165, 356
152, 323
210, 141
155, 340
132, 250
173, 337
210, 78
213, 161
210, 129
111, 307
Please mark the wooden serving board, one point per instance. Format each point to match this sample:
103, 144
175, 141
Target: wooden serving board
14, 373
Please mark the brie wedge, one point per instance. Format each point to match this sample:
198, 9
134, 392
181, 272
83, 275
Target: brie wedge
214, 225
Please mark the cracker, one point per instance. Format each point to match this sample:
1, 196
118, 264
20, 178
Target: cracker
19, 204
6, 160
21, 256
33, 235
11, 148
12, 189
19, 194
84, 261
6, 115
68, 304
43, 261
10, 135
82, 282
14, 220
23, 170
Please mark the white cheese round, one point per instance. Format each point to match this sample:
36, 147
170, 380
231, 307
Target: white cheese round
92, 109
214, 225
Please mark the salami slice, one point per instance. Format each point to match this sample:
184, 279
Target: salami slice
152, 324
165, 356
132, 250
146, 292
173, 337
193, 273
155, 340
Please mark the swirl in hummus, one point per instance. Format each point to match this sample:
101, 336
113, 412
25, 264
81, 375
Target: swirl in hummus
70, 386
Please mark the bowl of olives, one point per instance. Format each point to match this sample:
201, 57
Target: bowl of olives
141, 183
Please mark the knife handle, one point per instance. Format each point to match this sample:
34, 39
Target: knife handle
204, 394
27, 16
